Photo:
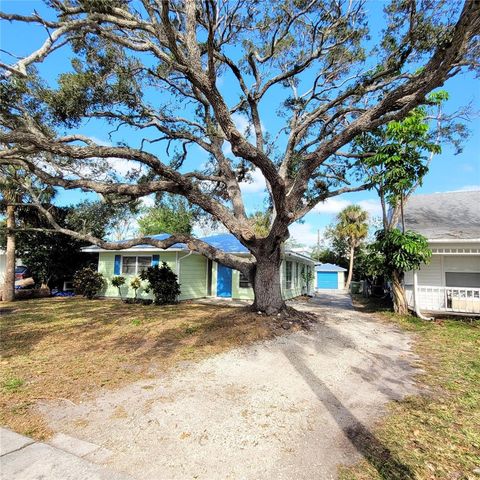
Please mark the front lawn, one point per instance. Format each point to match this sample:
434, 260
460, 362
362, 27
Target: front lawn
435, 435
65, 348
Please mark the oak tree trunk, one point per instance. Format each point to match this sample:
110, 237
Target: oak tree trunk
350, 269
267, 283
9, 280
400, 305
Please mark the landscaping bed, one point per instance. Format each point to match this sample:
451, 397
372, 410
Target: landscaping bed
435, 435
70, 348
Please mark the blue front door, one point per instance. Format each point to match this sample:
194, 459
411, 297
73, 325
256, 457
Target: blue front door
224, 281
327, 280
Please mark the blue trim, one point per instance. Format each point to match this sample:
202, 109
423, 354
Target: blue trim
117, 265
224, 281
155, 260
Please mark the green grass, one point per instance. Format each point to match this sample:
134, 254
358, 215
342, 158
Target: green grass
435, 435
12, 384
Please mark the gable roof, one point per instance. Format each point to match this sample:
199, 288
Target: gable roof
445, 216
328, 267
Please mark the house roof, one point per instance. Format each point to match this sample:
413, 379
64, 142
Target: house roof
329, 267
445, 216
226, 242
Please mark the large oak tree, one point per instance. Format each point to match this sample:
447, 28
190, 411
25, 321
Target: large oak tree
182, 72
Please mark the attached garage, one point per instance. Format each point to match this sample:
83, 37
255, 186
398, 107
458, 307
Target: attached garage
329, 277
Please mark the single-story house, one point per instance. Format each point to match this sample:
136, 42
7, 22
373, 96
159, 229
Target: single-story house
451, 223
329, 276
198, 276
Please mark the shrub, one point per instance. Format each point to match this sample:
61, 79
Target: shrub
135, 284
88, 282
163, 283
118, 282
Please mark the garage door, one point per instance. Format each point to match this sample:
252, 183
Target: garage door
327, 280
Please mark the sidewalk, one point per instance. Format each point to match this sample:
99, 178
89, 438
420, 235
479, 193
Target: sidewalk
21, 458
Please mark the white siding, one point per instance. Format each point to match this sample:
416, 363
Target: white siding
430, 274
462, 264
341, 280
433, 274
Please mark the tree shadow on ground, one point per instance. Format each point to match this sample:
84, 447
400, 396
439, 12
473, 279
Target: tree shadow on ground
365, 442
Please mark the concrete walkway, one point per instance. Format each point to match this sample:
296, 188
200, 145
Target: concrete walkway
21, 458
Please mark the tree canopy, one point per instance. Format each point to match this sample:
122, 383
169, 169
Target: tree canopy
189, 76
171, 215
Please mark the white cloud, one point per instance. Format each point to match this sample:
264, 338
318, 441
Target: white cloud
335, 205
123, 167
256, 185
331, 205
148, 201
99, 141
305, 234
241, 122
372, 206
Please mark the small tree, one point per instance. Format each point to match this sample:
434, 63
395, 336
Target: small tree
171, 215
397, 158
135, 284
118, 282
400, 252
163, 282
88, 282
307, 277
350, 230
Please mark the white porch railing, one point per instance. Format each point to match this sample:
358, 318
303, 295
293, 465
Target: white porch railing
445, 299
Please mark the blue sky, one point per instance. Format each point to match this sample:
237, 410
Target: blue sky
448, 171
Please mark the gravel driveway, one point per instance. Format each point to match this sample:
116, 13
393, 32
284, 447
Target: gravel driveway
294, 407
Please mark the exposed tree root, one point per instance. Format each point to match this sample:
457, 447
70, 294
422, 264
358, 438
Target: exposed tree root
290, 318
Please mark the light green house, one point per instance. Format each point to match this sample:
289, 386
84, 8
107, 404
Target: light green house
198, 276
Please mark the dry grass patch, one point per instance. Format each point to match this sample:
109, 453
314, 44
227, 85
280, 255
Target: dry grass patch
435, 435
66, 348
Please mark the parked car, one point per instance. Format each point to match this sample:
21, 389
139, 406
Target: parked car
21, 273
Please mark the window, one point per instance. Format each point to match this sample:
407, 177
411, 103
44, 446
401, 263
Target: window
243, 281
297, 276
465, 280
135, 265
288, 275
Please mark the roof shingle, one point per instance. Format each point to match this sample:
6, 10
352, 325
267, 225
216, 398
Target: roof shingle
449, 215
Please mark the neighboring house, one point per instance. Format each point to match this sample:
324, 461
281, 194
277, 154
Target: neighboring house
198, 276
329, 276
3, 265
451, 223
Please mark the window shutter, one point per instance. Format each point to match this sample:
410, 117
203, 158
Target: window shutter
155, 260
117, 265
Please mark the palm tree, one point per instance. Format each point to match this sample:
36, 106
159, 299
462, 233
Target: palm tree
351, 229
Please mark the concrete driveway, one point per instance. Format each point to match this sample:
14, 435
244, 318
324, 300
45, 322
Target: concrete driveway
294, 407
